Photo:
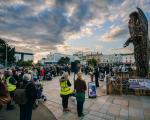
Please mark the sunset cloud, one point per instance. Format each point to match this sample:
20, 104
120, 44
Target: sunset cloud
113, 33
43, 25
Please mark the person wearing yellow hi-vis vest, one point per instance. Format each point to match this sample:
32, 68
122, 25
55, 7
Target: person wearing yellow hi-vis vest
11, 86
65, 91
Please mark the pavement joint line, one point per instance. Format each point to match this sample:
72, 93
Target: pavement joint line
104, 117
128, 108
109, 114
104, 103
54, 102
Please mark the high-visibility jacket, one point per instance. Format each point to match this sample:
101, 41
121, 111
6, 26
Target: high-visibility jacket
65, 89
10, 86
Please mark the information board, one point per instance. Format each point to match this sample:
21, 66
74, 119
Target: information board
91, 90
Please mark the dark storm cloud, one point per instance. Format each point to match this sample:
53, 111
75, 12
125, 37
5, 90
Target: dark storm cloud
48, 25
45, 22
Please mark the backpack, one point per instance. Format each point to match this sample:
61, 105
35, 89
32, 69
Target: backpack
3, 89
20, 96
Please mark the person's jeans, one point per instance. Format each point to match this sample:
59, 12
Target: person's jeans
65, 101
26, 111
80, 107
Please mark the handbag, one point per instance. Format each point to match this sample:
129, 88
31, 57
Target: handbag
3, 89
20, 96
4, 95
5, 99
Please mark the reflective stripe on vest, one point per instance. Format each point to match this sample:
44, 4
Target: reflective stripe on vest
10, 86
65, 90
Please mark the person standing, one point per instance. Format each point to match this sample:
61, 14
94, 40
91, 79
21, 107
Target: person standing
11, 86
4, 95
80, 88
96, 74
31, 94
65, 91
34, 74
42, 73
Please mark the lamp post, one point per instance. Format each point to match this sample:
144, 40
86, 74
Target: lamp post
6, 56
7, 50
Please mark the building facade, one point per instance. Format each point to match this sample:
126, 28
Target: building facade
128, 58
97, 56
114, 59
53, 58
24, 56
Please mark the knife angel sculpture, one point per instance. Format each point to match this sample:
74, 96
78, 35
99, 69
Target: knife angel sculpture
138, 29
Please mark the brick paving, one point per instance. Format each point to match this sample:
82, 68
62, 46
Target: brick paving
104, 107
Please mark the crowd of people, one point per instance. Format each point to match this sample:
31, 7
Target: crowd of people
14, 80
27, 78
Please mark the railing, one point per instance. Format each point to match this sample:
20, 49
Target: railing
121, 85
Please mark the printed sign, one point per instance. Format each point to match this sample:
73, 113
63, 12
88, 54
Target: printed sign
91, 90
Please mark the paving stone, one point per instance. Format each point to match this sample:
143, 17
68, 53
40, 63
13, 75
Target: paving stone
147, 118
54, 104
110, 99
69, 116
121, 118
131, 118
146, 105
95, 107
85, 118
102, 115
92, 117
105, 107
121, 102
57, 112
119, 97
147, 114
135, 104
88, 104
102, 99
145, 99
114, 109
124, 113
136, 113
116, 100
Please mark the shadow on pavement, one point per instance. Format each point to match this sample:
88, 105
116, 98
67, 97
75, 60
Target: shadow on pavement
41, 113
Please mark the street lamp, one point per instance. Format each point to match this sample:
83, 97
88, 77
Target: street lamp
6, 56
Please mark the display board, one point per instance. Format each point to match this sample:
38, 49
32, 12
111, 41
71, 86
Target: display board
91, 90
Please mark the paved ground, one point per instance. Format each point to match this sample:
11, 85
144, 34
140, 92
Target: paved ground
41, 113
104, 107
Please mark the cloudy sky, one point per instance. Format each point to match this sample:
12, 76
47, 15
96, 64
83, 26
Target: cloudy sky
66, 26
